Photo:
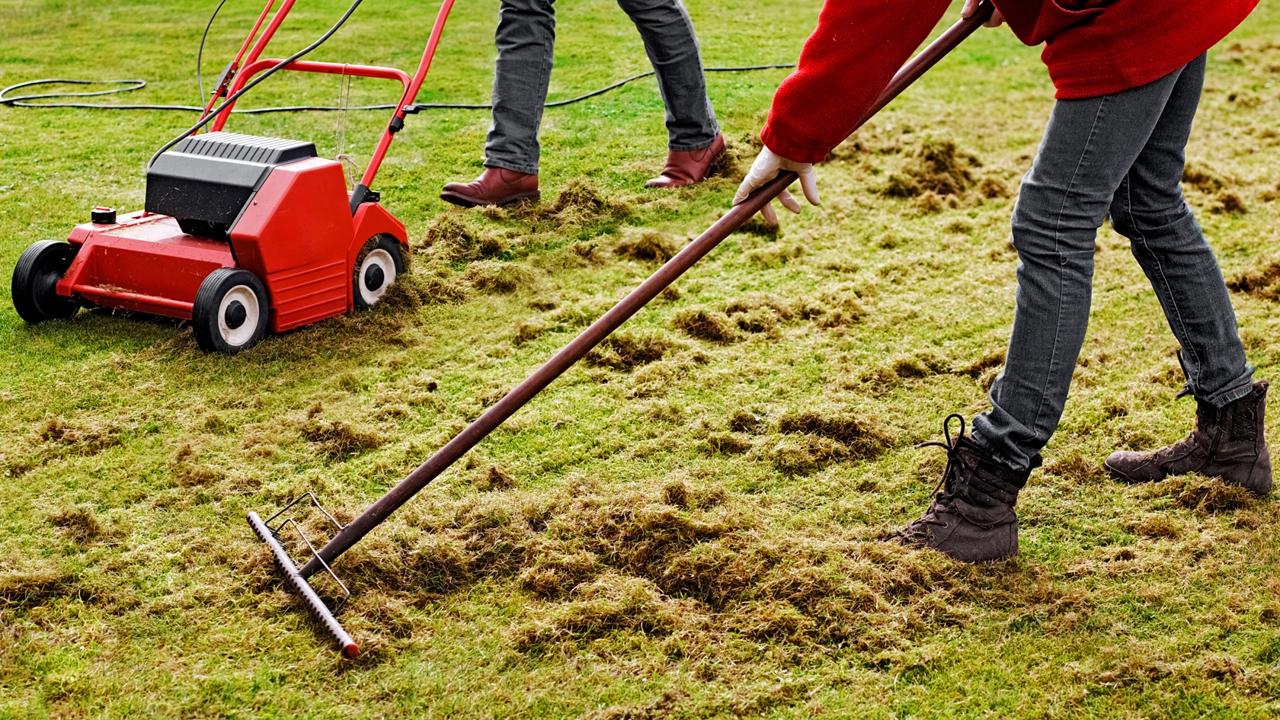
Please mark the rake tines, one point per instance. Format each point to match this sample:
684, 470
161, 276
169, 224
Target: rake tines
294, 579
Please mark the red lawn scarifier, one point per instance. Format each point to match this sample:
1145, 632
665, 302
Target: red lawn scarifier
240, 235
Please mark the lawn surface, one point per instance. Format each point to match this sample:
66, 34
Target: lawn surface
687, 525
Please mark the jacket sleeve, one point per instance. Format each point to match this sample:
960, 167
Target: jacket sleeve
845, 65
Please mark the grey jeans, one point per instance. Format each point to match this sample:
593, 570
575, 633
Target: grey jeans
526, 40
1120, 155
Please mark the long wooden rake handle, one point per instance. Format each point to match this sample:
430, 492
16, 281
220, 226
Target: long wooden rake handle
612, 320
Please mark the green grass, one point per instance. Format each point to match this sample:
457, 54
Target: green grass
638, 542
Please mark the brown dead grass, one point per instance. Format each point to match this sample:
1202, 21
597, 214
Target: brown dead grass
419, 289
581, 202
79, 524
492, 276
1228, 203
647, 246
688, 562
338, 440
29, 588
863, 439
1203, 178
705, 324
1263, 282
626, 351
80, 439
451, 238
1207, 496
937, 167
494, 479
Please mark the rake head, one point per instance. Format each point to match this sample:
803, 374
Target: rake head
270, 534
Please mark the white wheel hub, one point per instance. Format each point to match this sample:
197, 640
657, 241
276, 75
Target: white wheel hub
238, 316
377, 275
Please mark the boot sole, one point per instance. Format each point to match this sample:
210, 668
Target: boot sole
1120, 477
469, 202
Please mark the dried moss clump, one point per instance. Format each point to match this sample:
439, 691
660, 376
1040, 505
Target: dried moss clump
1228, 203
1202, 178
494, 478
338, 440
1203, 495
1263, 282
648, 246
581, 201
705, 325
415, 290
492, 276
839, 308
78, 440
938, 167
609, 604
80, 524
627, 351
862, 439
451, 239
35, 587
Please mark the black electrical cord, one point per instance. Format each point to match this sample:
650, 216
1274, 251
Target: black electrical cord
132, 85
200, 53
25, 101
258, 80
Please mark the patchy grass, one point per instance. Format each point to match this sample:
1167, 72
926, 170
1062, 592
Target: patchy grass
687, 525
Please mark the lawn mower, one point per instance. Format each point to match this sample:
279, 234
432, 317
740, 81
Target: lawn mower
271, 529
239, 235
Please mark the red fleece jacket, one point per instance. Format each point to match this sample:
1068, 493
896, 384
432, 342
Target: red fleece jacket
1091, 47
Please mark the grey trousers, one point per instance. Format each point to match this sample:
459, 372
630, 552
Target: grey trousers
1120, 155
526, 39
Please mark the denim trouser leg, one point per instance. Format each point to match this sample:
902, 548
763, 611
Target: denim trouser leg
526, 39
1122, 154
1150, 210
672, 46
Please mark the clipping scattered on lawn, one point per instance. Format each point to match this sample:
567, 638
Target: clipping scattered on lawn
688, 525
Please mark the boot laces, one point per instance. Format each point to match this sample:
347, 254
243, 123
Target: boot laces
1199, 436
945, 491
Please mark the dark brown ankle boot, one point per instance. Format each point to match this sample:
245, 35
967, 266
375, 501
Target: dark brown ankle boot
688, 167
971, 518
495, 186
1227, 443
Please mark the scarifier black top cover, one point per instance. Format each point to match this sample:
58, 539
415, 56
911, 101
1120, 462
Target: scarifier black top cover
206, 181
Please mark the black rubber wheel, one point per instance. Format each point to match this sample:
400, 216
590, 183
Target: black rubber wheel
35, 281
379, 264
230, 312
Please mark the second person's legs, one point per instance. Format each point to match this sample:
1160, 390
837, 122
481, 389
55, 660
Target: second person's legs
672, 46
525, 39
693, 136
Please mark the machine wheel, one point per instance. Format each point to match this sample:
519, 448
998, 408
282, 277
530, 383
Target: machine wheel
35, 281
230, 312
379, 263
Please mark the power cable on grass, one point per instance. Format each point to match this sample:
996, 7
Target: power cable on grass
133, 85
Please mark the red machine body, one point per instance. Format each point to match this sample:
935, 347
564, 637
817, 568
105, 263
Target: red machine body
297, 235
242, 235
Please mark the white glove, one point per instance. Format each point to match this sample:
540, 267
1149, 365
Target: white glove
971, 6
766, 167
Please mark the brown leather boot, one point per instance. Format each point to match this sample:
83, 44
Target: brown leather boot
495, 186
1228, 443
686, 167
971, 518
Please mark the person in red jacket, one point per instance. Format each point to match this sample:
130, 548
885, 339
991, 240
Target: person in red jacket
1129, 75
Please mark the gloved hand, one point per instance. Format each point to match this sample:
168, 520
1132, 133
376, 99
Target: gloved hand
970, 6
766, 167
